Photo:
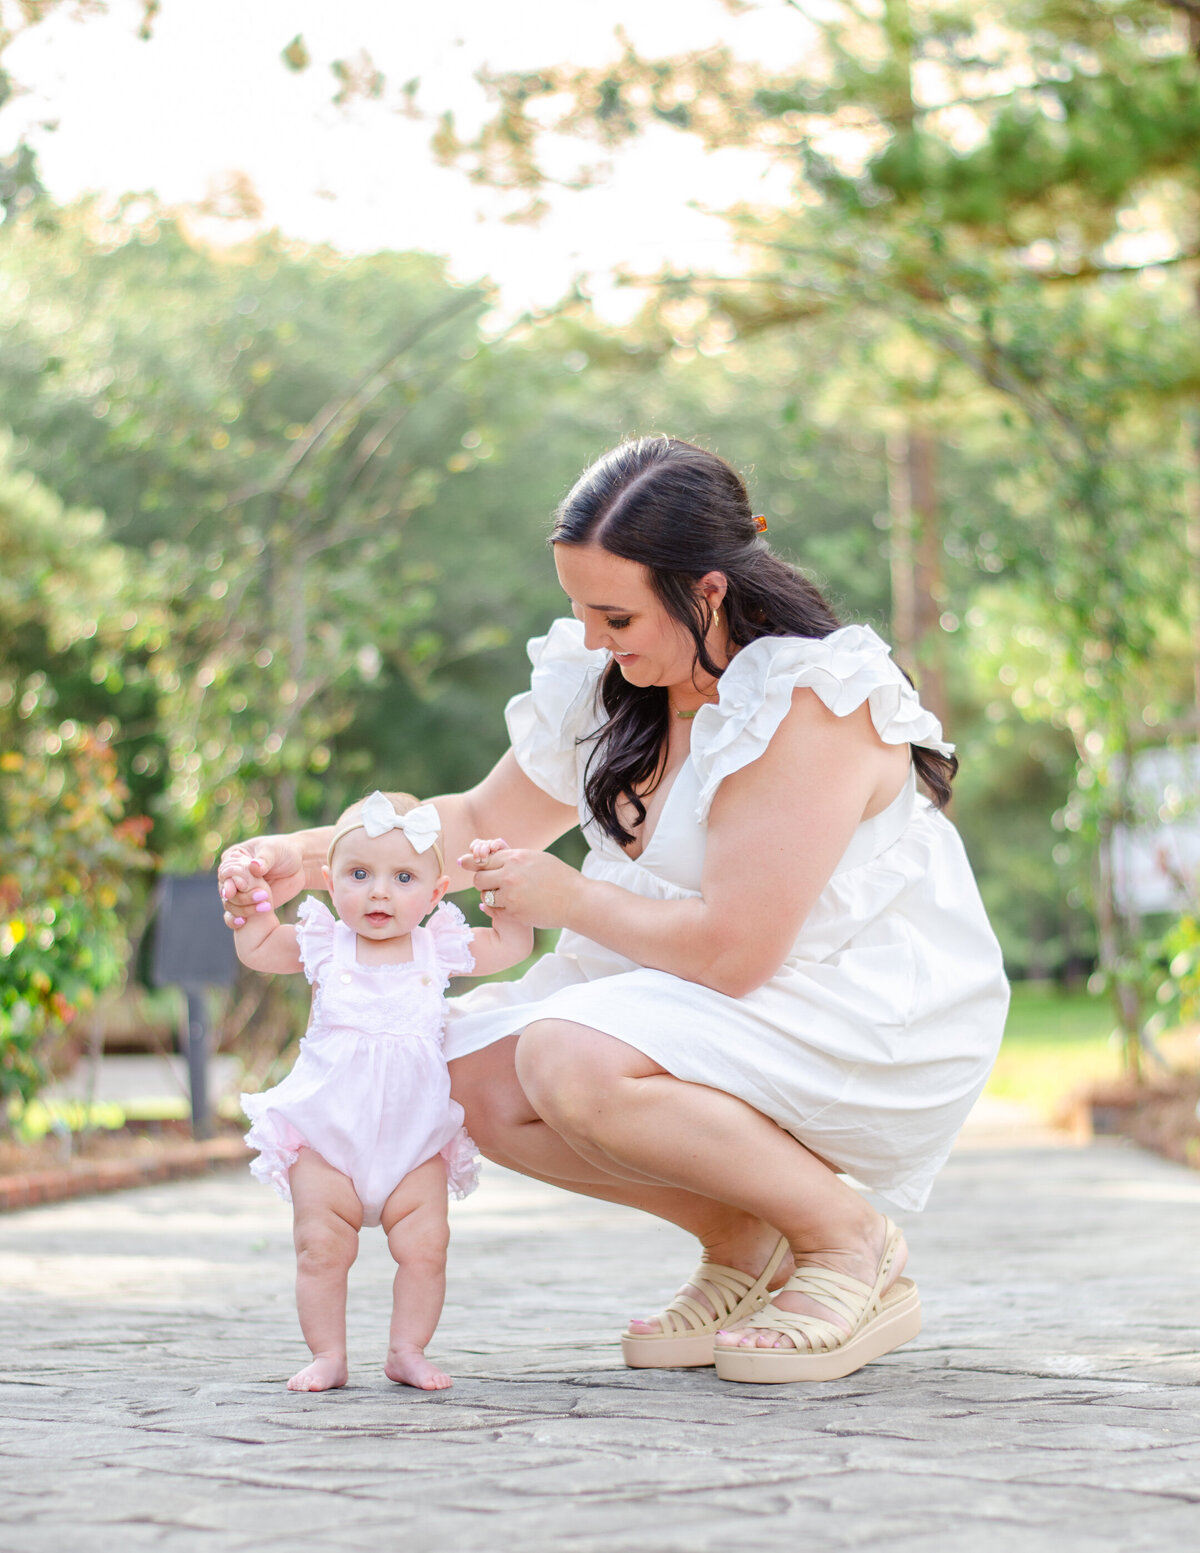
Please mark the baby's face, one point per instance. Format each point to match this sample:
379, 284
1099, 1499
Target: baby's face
381, 886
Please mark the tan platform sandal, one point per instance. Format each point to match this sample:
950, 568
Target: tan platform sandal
686, 1339
878, 1323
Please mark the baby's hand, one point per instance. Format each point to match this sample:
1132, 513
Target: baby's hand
481, 850
260, 899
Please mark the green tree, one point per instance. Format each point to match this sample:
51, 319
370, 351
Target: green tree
72, 860
260, 430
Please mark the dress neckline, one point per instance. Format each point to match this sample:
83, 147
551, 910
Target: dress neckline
349, 944
664, 809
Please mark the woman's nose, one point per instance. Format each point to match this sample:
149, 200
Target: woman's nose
595, 636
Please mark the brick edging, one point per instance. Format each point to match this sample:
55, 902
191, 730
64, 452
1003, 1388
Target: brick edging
82, 1178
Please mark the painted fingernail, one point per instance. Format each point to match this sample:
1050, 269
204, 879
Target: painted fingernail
260, 895
263, 906
239, 922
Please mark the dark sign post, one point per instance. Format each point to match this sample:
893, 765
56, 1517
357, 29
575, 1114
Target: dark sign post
193, 949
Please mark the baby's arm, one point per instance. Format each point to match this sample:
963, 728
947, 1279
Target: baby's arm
266, 944
505, 943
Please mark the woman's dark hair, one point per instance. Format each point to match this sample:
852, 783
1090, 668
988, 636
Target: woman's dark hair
682, 512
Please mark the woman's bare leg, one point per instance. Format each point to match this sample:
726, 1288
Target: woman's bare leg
327, 1217
509, 1131
414, 1221
603, 1093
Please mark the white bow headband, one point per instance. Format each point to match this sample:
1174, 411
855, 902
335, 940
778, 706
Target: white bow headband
422, 825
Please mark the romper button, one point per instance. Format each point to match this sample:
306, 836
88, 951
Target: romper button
425, 981
347, 978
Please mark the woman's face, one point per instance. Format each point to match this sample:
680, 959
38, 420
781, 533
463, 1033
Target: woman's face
621, 613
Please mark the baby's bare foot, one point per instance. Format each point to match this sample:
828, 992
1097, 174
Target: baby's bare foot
410, 1367
325, 1373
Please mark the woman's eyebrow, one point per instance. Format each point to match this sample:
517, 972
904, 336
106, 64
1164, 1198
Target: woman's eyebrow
610, 609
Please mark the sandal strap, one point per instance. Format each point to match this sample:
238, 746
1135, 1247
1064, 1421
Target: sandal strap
725, 1288
856, 1302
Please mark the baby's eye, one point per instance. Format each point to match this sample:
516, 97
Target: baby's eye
358, 873
403, 878
618, 625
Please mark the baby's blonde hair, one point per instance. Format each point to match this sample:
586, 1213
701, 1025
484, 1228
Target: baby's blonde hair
350, 819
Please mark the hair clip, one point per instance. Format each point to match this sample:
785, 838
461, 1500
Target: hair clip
760, 523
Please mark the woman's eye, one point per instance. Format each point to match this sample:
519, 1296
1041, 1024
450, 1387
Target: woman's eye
617, 625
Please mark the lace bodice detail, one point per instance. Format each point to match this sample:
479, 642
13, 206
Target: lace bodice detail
381, 1001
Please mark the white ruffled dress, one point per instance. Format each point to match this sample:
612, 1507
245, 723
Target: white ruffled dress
874, 1038
369, 1092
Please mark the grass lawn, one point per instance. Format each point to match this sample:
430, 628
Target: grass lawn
1054, 1042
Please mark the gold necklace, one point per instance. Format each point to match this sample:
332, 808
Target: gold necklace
687, 716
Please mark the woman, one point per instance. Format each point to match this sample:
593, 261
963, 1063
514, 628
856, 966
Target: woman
774, 969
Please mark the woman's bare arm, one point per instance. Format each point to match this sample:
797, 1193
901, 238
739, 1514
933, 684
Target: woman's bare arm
776, 832
506, 803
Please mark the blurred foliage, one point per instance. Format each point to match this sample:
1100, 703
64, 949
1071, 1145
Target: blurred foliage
65, 886
72, 859
1179, 989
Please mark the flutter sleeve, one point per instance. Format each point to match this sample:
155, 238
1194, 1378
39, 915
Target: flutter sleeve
560, 707
451, 934
846, 668
314, 934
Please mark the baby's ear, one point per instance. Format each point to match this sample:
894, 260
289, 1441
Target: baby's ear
440, 889
326, 875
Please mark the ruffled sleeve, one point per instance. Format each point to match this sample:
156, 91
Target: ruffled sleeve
315, 925
560, 707
451, 935
846, 668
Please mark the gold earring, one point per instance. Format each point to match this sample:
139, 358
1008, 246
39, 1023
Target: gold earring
716, 616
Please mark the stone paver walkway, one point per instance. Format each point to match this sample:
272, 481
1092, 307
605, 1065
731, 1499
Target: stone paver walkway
1052, 1402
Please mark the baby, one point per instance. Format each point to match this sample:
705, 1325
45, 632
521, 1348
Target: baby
363, 1129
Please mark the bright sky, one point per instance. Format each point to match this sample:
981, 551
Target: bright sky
209, 95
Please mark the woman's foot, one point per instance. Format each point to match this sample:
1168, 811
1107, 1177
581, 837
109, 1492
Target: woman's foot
408, 1366
748, 1248
326, 1373
860, 1262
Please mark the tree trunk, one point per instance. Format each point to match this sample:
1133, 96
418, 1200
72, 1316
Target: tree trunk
915, 554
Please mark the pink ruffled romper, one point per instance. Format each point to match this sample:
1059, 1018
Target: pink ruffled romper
370, 1091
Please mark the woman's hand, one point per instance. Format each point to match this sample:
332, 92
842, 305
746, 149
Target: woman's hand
273, 862
531, 888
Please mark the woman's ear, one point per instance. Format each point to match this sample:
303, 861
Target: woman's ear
712, 588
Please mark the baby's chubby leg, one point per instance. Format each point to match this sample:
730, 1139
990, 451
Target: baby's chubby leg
327, 1219
414, 1220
